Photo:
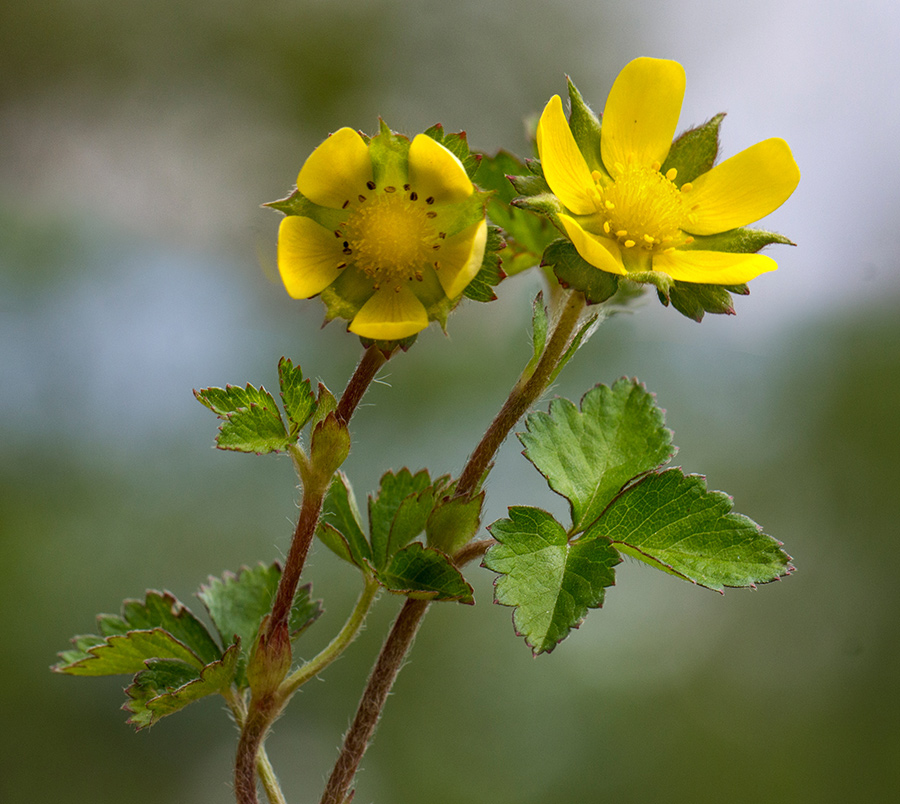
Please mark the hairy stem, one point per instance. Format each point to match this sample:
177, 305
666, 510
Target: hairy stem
399, 641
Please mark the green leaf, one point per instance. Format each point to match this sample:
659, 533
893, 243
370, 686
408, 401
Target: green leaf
527, 234
673, 523
453, 522
238, 602
588, 455
296, 394
252, 422
573, 271
695, 151
167, 686
539, 329
178, 631
550, 581
340, 515
425, 573
737, 241
403, 501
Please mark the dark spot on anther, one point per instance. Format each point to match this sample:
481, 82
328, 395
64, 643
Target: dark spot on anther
413, 196
431, 214
370, 185
345, 204
436, 246
437, 266
346, 244
348, 251
429, 200
361, 198
442, 235
390, 189
342, 265
338, 234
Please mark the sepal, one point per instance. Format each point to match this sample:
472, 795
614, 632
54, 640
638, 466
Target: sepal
694, 152
574, 272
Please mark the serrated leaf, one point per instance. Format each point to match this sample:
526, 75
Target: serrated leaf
160, 611
167, 686
341, 514
296, 394
424, 573
255, 429
573, 271
231, 398
126, 654
393, 491
238, 602
672, 522
587, 455
550, 581
694, 152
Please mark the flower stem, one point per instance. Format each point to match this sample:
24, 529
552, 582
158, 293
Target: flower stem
265, 708
267, 777
526, 392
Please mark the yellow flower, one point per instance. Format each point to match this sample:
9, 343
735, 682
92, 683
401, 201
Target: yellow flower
388, 231
624, 215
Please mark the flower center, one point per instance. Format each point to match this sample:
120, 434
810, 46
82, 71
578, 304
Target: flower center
391, 235
643, 208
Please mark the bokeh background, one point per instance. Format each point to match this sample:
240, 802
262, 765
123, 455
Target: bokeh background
137, 141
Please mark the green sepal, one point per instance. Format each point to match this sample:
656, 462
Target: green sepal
543, 204
453, 522
238, 602
585, 127
398, 513
424, 573
588, 455
458, 145
481, 288
673, 523
574, 272
742, 240
344, 297
251, 419
167, 686
694, 152
296, 394
389, 153
325, 404
662, 282
695, 300
329, 445
526, 234
549, 579
159, 611
298, 204
387, 348
341, 528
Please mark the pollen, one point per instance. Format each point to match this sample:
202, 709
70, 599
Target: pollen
391, 236
644, 208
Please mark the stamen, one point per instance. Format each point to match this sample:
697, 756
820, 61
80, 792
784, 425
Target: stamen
688, 240
419, 275
687, 187
342, 265
370, 184
436, 246
338, 235
442, 235
397, 289
390, 189
430, 214
406, 187
628, 243
650, 239
671, 173
347, 251
429, 200
361, 198
609, 205
345, 204
655, 165
606, 226
621, 233
413, 196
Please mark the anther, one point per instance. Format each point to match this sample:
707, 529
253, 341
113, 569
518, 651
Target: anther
649, 239
413, 196
370, 184
361, 198
606, 227
628, 243
671, 173
390, 189
437, 266
429, 200
656, 166
419, 275
430, 214
338, 234
407, 188
609, 205
397, 289
687, 187
346, 244
621, 233
347, 251
436, 246
342, 265
442, 235
345, 204
688, 240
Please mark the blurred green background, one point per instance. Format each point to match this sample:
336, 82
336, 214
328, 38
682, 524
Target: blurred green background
137, 141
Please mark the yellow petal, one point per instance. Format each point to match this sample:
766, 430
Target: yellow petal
713, 267
641, 113
337, 171
743, 189
390, 315
436, 173
460, 258
564, 166
308, 256
601, 252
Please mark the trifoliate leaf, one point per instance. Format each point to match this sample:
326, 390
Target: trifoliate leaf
340, 515
425, 573
588, 455
694, 152
453, 522
550, 580
673, 523
238, 602
252, 422
167, 686
164, 622
299, 402
401, 505
573, 271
